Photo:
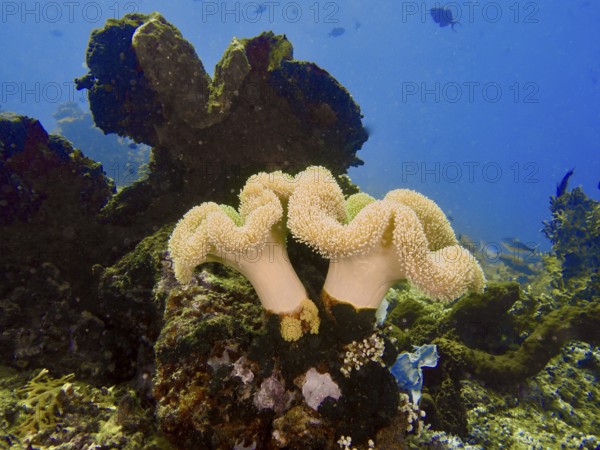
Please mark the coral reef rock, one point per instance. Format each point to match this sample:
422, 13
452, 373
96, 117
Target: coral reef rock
261, 110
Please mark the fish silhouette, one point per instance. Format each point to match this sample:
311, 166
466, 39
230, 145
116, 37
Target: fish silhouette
443, 16
514, 245
337, 31
561, 187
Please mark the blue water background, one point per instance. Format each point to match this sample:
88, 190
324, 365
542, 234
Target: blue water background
485, 119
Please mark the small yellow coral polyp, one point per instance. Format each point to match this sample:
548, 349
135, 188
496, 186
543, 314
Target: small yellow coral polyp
293, 326
373, 244
310, 316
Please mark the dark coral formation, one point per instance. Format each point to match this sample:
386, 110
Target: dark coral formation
117, 85
51, 194
263, 110
33, 165
575, 234
54, 248
215, 352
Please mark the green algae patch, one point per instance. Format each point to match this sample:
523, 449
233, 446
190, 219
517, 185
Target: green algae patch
43, 397
139, 270
557, 408
267, 50
230, 73
483, 321
557, 328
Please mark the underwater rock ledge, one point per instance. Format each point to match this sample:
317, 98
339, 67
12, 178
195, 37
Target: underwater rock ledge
54, 310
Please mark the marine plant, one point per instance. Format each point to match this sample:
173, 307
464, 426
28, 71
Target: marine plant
63, 412
574, 231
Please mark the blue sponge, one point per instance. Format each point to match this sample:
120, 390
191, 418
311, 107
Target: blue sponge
407, 369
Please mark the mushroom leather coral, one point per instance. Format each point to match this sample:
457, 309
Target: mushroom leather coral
403, 236
251, 241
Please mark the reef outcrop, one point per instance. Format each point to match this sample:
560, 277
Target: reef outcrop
262, 110
62, 306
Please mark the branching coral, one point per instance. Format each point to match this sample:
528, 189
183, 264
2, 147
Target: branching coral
251, 241
373, 244
41, 395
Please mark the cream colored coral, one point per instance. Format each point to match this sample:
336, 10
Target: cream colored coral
404, 236
188, 245
444, 274
436, 226
305, 319
253, 243
317, 216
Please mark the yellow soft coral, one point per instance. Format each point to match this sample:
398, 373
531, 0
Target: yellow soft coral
404, 236
251, 241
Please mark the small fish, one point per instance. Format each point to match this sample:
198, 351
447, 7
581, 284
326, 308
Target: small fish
132, 146
561, 187
57, 33
261, 9
337, 31
514, 245
443, 16
517, 263
357, 25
